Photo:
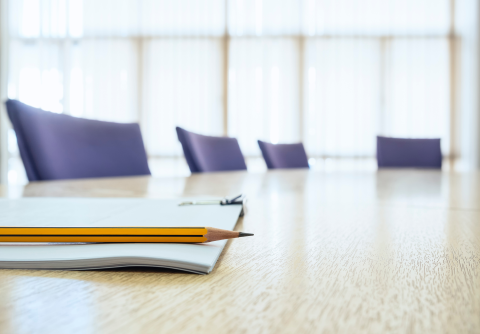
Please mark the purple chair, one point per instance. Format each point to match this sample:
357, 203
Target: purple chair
210, 154
284, 155
400, 152
55, 146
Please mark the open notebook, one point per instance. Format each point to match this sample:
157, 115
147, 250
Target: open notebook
197, 258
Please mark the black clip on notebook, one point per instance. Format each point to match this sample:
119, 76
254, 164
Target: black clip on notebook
237, 200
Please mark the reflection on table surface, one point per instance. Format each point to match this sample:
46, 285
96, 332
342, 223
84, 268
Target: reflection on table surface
412, 187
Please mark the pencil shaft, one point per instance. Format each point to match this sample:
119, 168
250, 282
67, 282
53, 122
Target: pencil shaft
36, 231
106, 239
115, 234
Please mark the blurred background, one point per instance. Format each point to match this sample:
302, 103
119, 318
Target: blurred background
333, 74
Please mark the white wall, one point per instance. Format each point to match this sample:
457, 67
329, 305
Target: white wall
467, 106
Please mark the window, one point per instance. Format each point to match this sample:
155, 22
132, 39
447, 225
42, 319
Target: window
330, 73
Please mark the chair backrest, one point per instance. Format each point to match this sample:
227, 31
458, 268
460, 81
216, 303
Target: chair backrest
414, 153
210, 154
56, 146
284, 155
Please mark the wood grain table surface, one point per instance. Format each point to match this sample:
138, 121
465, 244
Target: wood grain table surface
344, 252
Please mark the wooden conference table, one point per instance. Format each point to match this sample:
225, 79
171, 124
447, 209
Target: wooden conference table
389, 251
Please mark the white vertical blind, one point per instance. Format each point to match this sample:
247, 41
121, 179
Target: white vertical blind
264, 17
263, 92
417, 102
182, 86
182, 17
376, 17
103, 79
152, 17
35, 74
342, 101
331, 73
467, 120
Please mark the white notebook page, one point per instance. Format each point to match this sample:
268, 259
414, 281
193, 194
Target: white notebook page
113, 212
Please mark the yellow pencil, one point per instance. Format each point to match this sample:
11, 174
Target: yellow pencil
117, 234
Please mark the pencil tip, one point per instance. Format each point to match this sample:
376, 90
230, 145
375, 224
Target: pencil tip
243, 234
